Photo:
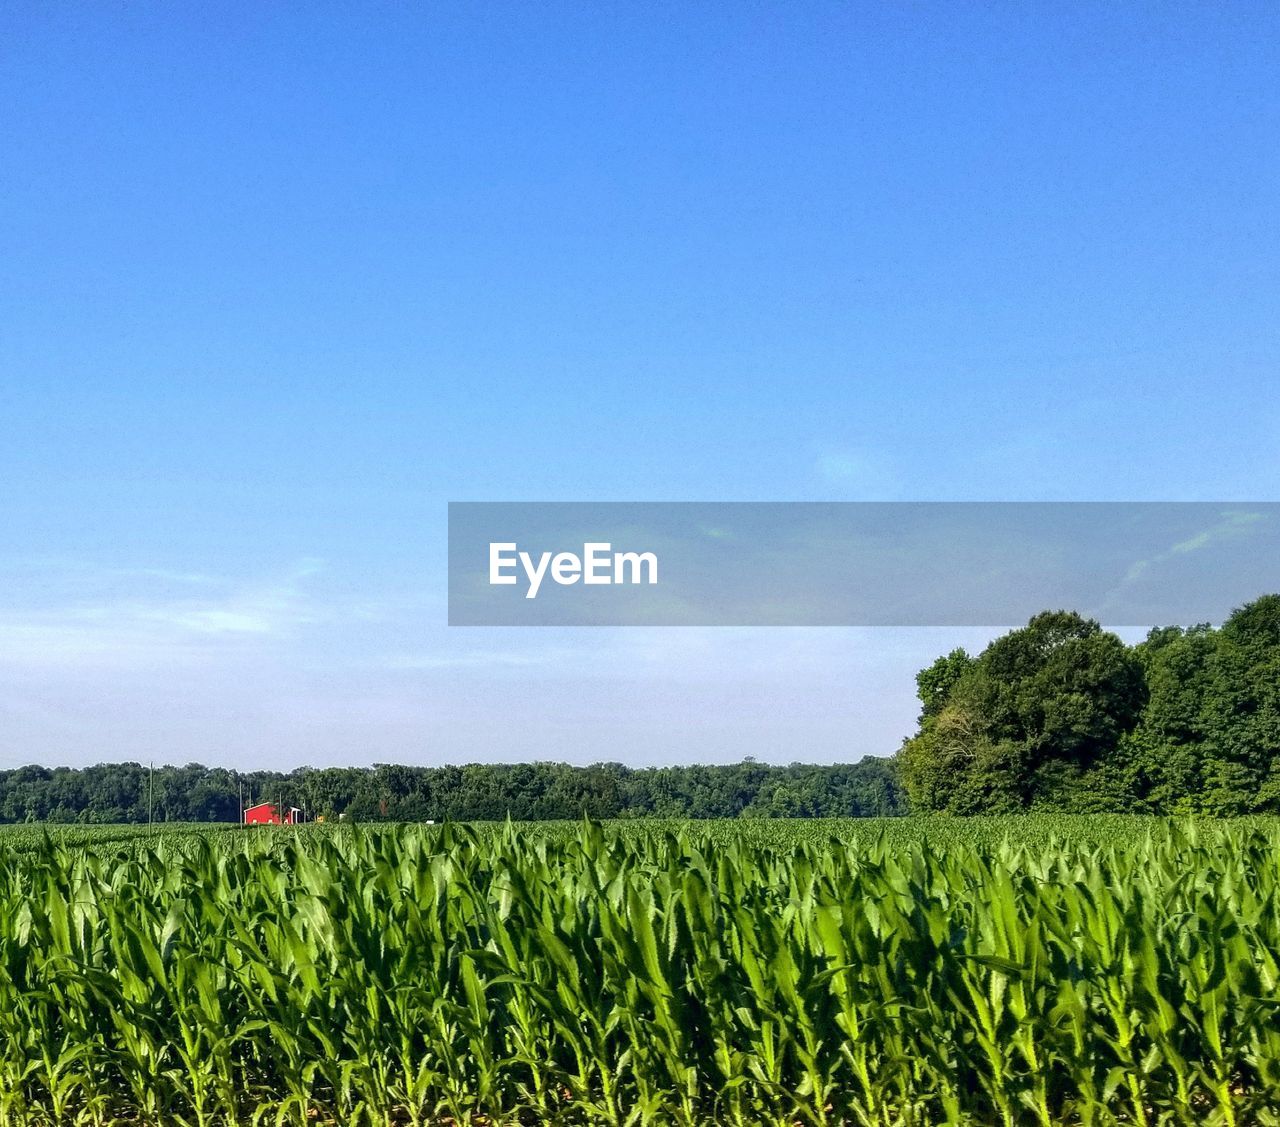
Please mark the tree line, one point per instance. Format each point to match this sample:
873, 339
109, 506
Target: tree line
132, 792
1062, 715
1057, 715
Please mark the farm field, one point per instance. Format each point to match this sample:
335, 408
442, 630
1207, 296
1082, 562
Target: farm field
1037, 970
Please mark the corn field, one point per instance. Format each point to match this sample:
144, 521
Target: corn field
716, 974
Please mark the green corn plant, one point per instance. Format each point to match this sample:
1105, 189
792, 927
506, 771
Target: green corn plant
1045, 970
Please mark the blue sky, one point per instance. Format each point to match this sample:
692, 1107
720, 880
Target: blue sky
279, 283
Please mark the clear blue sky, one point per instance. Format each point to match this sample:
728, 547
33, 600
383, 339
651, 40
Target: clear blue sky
277, 283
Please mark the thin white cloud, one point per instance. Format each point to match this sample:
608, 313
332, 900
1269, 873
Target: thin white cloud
474, 659
1234, 523
153, 624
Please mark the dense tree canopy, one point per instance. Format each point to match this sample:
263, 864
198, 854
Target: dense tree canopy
1063, 715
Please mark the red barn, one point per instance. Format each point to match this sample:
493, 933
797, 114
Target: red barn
268, 814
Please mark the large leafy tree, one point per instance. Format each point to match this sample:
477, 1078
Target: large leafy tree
1241, 713
1027, 722
1209, 741
1158, 767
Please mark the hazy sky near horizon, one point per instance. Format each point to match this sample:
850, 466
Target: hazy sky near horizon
277, 283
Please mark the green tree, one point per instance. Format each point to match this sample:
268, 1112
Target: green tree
1026, 723
934, 684
1241, 714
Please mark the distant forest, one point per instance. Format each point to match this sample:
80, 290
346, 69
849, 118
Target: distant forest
119, 792
1058, 715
